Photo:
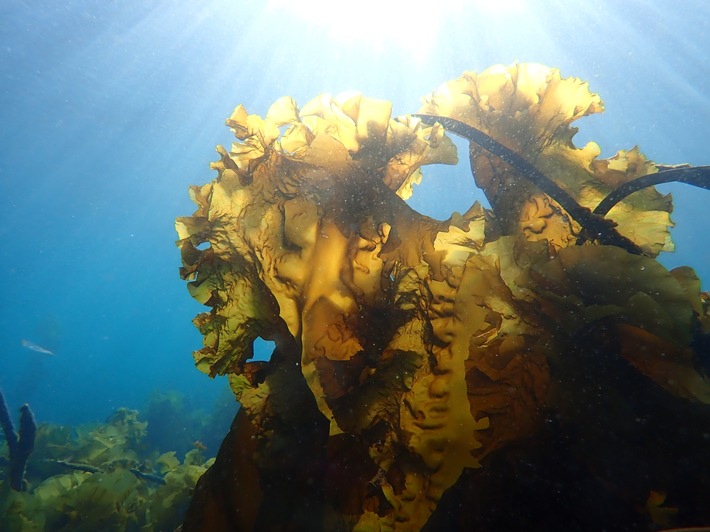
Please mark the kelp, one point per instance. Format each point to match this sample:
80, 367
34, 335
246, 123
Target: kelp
409, 351
593, 225
530, 108
107, 476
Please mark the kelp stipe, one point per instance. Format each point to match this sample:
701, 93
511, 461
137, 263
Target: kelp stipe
20, 445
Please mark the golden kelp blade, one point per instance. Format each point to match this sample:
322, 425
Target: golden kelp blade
410, 352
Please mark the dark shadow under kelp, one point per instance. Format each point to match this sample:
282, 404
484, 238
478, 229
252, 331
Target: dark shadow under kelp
113, 475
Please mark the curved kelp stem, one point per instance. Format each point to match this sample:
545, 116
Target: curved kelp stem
698, 176
594, 227
20, 446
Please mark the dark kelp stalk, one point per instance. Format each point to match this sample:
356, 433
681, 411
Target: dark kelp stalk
20, 445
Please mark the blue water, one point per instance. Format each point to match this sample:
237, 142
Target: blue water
110, 109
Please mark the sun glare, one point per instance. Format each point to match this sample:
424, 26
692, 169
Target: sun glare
374, 23
410, 25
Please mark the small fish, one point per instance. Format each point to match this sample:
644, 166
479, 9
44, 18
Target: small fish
34, 347
199, 445
148, 476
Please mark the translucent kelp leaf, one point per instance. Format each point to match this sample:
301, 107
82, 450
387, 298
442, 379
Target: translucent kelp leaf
167, 462
57, 485
283, 111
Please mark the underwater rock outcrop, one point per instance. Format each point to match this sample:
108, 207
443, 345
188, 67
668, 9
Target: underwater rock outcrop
409, 351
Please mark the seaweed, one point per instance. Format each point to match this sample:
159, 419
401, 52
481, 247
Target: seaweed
417, 359
102, 477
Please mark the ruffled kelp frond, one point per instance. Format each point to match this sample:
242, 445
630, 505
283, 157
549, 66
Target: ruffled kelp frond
529, 108
410, 352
